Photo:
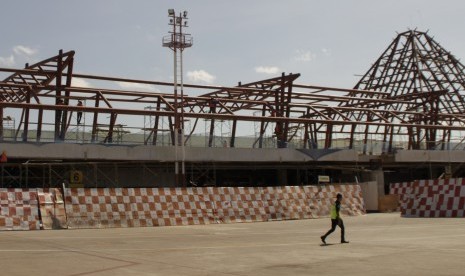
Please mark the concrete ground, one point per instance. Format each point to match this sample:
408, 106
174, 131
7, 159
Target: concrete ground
380, 244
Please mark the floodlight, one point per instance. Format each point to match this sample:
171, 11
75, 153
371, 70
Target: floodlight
171, 12
185, 14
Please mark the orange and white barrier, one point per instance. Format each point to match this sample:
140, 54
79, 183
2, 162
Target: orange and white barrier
432, 198
133, 207
19, 209
31, 209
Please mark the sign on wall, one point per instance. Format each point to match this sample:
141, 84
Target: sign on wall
76, 178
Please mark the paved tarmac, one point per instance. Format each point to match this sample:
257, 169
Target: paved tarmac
380, 244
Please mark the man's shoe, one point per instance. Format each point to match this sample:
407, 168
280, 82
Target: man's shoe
323, 239
344, 242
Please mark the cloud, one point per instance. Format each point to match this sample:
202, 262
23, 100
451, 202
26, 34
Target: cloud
23, 53
81, 83
304, 56
325, 51
21, 50
7, 61
267, 69
136, 86
200, 76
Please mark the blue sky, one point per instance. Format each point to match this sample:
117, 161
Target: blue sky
328, 42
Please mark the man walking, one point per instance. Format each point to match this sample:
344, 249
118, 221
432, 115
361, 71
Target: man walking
335, 220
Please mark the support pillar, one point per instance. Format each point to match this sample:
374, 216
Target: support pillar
282, 177
378, 176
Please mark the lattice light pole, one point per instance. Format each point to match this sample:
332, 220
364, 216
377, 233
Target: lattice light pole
178, 41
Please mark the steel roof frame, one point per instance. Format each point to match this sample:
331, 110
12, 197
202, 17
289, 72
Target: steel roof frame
414, 90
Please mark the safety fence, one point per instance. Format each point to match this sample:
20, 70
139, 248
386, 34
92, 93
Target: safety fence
431, 198
19, 209
136, 207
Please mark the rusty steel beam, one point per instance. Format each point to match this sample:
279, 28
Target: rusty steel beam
321, 110
106, 110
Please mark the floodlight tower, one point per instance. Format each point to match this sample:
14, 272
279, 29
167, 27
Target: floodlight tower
178, 41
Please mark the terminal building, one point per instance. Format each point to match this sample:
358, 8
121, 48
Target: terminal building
402, 121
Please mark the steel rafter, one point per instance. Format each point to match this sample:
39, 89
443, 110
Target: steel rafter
424, 76
414, 91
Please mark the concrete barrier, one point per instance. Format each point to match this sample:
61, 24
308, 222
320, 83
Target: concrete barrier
19, 209
432, 198
33, 209
133, 207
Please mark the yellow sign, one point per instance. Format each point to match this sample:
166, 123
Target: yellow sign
75, 177
323, 178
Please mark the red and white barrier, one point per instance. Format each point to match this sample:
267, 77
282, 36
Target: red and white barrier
127, 207
19, 209
133, 207
432, 198
401, 189
31, 209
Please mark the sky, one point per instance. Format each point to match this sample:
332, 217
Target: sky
330, 43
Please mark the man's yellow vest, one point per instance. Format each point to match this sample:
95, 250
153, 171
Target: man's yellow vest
333, 211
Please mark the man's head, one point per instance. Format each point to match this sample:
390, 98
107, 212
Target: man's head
339, 196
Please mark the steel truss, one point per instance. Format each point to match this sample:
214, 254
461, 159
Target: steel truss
426, 82
413, 92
